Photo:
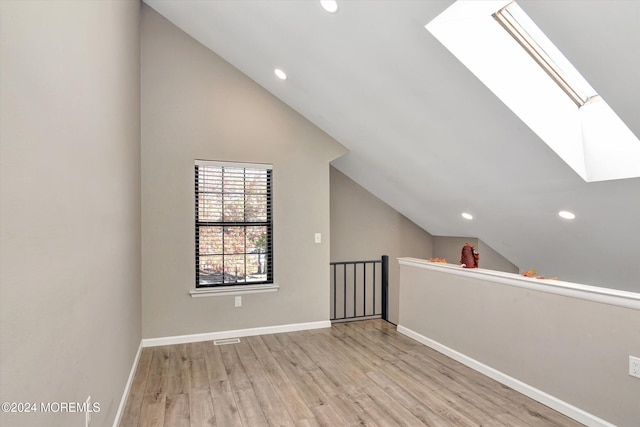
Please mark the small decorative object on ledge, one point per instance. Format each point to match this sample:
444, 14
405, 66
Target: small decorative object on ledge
533, 273
470, 258
440, 260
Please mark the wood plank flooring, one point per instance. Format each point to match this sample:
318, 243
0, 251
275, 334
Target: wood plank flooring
353, 374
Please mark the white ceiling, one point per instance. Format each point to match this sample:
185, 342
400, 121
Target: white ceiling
432, 141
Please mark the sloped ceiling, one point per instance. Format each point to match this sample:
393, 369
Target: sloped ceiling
432, 141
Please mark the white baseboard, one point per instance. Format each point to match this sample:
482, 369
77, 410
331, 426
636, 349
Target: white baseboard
532, 392
210, 336
127, 387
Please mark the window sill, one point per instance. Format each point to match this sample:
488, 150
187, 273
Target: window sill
233, 290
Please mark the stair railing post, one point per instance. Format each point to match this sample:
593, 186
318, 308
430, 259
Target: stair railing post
385, 287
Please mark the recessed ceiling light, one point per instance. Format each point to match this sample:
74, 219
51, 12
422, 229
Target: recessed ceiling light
330, 6
567, 215
467, 215
281, 74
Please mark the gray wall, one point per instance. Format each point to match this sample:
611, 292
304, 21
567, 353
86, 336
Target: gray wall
70, 205
572, 349
197, 106
364, 227
492, 260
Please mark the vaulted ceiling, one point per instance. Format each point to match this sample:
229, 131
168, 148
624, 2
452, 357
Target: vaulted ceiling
428, 138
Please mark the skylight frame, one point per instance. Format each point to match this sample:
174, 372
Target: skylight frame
518, 24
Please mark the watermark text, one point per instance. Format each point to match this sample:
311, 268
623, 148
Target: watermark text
51, 407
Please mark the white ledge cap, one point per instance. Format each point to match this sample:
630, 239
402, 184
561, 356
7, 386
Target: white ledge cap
574, 290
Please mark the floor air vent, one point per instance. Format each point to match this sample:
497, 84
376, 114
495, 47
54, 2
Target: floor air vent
227, 341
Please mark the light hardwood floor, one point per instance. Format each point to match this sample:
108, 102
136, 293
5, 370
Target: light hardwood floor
353, 374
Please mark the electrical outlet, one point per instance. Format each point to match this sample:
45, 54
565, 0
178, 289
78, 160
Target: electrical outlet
87, 413
634, 366
239, 301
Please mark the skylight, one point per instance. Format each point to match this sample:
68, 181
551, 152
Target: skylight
523, 68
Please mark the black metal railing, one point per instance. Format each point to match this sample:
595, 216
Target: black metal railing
359, 289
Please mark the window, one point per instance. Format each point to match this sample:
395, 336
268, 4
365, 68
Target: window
233, 224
